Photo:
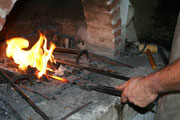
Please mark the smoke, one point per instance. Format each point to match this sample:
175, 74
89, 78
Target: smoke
83, 35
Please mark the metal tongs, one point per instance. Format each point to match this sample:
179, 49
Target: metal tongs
103, 89
99, 88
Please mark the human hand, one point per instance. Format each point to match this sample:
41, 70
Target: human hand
138, 90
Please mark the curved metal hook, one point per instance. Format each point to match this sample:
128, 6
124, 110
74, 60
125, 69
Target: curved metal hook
82, 52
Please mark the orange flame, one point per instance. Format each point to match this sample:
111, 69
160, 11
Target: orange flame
59, 78
37, 57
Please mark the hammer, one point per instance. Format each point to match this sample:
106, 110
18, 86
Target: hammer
149, 49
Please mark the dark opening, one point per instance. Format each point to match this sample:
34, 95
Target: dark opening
155, 21
29, 16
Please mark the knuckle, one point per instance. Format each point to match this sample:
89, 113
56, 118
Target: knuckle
131, 100
123, 100
140, 104
125, 92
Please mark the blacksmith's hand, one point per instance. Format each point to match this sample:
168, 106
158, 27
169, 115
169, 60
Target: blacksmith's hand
138, 90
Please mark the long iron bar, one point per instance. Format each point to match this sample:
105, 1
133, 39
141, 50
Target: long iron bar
33, 91
92, 69
75, 111
24, 96
94, 56
11, 109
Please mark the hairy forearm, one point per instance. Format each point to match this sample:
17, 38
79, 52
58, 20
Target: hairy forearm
166, 79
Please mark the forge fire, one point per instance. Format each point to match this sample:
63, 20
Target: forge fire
38, 56
81, 59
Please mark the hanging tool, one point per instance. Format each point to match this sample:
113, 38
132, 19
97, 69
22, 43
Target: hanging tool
82, 52
79, 53
150, 48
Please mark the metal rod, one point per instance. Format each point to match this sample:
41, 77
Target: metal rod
75, 111
94, 56
24, 96
33, 91
66, 50
100, 71
11, 109
105, 89
109, 61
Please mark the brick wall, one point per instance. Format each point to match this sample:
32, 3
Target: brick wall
5, 7
103, 26
104, 32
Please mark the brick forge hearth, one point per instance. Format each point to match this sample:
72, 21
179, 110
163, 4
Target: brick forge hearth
103, 26
103, 32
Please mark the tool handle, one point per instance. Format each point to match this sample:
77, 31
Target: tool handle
104, 89
151, 59
163, 56
108, 90
66, 50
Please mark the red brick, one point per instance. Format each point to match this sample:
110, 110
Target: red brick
105, 29
118, 23
6, 4
117, 43
94, 2
98, 33
100, 28
2, 21
116, 52
98, 16
113, 4
99, 22
96, 8
102, 42
98, 25
116, 12
117, 33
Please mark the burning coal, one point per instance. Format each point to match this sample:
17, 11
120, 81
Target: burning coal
59, 78
37, 57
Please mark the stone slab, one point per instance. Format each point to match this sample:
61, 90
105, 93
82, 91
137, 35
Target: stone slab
67, 98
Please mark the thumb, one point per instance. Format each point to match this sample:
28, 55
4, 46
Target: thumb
122, 86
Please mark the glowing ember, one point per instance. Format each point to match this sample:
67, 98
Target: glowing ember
37, 57
59, 78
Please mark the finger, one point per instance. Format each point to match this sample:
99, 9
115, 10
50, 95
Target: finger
124, 99
141, 104
122, 86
